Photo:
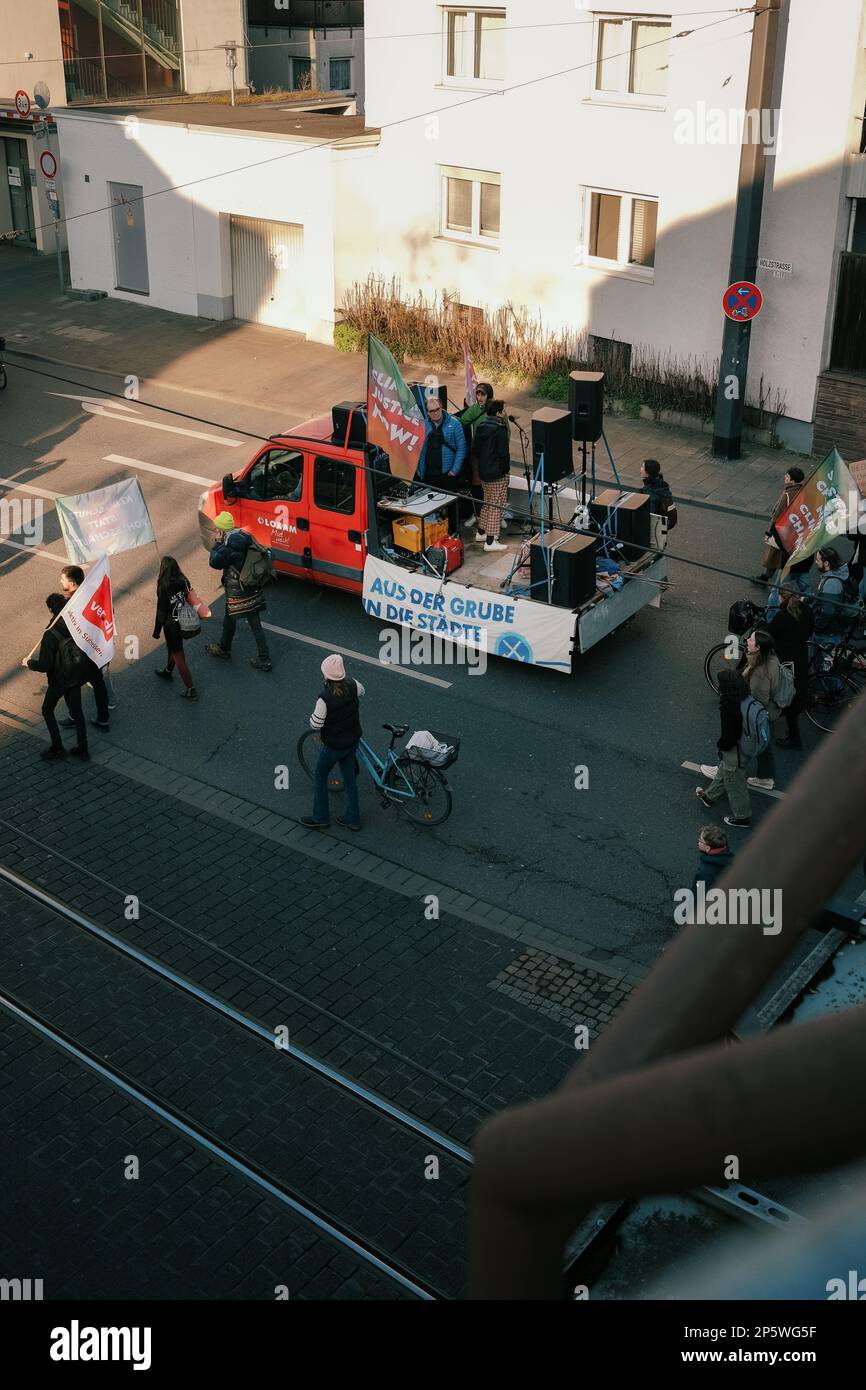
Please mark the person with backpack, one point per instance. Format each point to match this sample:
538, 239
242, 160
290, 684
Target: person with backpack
337, 718
791, 629
662, 504
494, 467
246, 568
737, 739
836, 598
172, 598
764, 677
65, 665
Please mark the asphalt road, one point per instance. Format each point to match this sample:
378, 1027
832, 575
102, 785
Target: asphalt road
602, 862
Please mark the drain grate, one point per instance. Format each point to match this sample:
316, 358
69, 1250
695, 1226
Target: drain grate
562, 990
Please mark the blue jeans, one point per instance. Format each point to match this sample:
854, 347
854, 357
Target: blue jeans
328, 758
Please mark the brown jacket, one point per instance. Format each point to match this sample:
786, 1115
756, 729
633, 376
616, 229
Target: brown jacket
762, 678
773, 555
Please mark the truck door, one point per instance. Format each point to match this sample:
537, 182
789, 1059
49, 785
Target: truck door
274, 506
336, 515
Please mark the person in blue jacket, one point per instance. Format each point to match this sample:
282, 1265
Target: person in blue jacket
444, 449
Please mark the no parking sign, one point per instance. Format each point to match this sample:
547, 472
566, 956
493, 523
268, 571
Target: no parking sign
742, 301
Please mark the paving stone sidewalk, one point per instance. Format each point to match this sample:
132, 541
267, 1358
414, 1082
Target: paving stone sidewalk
251, 365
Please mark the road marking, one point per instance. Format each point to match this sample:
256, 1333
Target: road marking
157, 468
31, 550
779, 796
358, 656
128, 414
27, 487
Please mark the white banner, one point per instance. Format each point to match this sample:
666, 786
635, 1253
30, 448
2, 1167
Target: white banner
89, 614
517, 628
104, 522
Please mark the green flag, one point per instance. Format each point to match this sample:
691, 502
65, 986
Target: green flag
825, 507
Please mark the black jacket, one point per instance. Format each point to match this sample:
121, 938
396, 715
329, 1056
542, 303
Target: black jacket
48, 659
228, 555
491, 449
660, 494
732, 726
169, 598
710, 867
791, 636
342, 726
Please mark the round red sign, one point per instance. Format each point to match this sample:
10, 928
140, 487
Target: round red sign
22, 103
742, 301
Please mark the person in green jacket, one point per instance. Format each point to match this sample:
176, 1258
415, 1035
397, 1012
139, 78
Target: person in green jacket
469, 418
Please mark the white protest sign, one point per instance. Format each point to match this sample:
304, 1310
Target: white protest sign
104, 522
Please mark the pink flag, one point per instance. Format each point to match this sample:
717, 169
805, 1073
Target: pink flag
89, 614
471, 378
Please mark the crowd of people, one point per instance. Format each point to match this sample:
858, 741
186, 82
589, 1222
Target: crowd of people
470, 453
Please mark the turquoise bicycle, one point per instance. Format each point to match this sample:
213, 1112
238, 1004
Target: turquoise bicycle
403, 778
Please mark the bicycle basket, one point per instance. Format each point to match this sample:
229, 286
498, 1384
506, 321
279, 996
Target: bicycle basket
434, 756
742, 616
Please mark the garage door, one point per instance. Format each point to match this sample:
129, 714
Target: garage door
268, 272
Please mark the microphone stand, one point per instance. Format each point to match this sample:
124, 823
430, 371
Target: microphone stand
527, 527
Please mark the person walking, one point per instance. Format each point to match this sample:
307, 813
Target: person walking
761, 674
791, 629
830, 620
71, 578
65, 665
337, 718
172, 592
774, 556
730, 775
444, 449
494, 466
228, 555
714, 856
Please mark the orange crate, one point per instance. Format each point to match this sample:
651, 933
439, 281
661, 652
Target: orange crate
407, 533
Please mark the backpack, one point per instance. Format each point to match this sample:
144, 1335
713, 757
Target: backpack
668, 510
755, 738
187, 620
785, 687
257, 569
70, 664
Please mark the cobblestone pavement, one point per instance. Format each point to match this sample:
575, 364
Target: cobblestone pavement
439, 1016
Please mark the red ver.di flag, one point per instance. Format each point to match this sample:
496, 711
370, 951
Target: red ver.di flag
89, 614
394, 421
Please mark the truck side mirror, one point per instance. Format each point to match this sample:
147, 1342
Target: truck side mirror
230, 488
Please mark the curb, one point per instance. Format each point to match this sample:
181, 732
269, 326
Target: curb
327, 849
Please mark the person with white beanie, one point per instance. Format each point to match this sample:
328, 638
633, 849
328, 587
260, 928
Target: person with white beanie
337, 719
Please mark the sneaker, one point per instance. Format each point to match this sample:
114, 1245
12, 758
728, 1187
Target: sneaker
739, 822
766, 784
49, 754
260, 663
112, 704
480, 537
701, 794
315, 824
191, 694
103, 728
347, 824
163, 673
494, 545
790, 743
81, 753
708, 772
214, 649
469, 523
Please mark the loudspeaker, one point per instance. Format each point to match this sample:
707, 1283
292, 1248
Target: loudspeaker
341, 415
586, 403
627, 518
572, 563
419, 391
551, 436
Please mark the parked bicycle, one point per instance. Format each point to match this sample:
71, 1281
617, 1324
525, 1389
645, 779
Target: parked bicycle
404, 778
837, 672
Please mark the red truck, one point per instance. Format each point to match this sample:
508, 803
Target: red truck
332, 514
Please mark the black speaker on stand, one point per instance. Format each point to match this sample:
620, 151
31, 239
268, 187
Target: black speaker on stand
586, 406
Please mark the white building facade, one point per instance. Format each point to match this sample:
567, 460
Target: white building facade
583, 161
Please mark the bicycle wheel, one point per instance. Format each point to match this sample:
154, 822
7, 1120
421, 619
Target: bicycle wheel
717, 660
309, 746
828, 698
431, 804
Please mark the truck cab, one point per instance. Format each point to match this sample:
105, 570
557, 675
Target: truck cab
304, 495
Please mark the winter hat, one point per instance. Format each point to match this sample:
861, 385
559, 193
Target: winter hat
333, 668
224, 522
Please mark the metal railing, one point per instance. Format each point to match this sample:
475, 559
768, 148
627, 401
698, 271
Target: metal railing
660, 1101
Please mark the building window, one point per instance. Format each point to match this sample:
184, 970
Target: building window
119, 49
621, 230
470, 206
474, 47
631, 57
302, 75
341, 74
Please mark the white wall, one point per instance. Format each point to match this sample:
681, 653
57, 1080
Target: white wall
549, 139
272, 47
188, 258
32, 27
206, 23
